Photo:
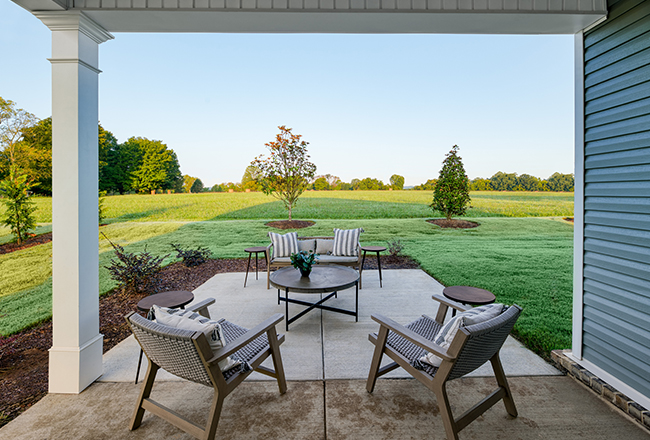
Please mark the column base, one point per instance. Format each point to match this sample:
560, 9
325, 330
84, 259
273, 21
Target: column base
72, 369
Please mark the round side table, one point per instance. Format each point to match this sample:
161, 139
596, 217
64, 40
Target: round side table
467, 295
377, 250
253, 250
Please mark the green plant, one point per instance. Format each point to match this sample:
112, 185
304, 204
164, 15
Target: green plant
19, 208
192, 257
135, 272
395, 247
101, 209
303, 261
451, 195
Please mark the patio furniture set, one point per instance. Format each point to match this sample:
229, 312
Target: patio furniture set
220, 354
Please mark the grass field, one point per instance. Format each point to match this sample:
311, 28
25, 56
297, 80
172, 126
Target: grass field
317, 205
522, 260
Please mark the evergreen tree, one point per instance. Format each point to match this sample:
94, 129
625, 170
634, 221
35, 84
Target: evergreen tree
451, 195
18, 206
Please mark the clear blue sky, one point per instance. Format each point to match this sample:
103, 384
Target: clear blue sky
369, 105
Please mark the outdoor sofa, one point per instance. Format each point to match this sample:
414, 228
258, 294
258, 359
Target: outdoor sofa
323, 246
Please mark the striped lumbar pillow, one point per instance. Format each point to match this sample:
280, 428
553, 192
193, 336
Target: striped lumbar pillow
346, 242
284, 245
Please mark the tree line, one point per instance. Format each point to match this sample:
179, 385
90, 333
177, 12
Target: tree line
136, 165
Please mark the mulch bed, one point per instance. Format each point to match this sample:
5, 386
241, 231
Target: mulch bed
569, 219
453, 223
24, 356
291, 224
31, 241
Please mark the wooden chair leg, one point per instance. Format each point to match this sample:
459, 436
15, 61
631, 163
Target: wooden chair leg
503, 383
376, 358
268, 276
215, 414
445, 412
145, 392
277, 359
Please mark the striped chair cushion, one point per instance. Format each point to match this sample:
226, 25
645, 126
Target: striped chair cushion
346, 242
284, 245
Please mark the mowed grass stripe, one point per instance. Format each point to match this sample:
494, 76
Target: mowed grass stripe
316, 205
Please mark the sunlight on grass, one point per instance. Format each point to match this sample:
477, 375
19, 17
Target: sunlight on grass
318, 205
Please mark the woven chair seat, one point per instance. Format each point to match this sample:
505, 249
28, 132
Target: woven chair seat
425, 327
249, 351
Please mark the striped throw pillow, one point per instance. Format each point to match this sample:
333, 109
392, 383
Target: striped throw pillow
284, 245
346, 242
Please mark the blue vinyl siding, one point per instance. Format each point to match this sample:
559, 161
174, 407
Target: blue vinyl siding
616, 311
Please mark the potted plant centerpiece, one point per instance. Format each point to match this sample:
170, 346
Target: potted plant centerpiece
303, 261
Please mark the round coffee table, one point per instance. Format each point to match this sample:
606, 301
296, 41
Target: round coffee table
467, 295
376, 249
323, 279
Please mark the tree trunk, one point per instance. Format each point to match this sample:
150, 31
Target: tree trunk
290, 207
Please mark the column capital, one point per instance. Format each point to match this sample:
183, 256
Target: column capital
74, 21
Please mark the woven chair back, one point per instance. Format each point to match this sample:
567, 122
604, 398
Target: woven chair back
485, 340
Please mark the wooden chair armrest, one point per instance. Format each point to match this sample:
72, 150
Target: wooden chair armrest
201, 307
445, 303
267, 253
246, 338
413, 337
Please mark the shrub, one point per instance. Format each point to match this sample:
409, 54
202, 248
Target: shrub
18, 204
135, 272
395, 247
192, 257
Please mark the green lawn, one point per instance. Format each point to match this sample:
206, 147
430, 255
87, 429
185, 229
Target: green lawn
522, 260
316, 205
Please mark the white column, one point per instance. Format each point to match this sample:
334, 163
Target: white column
76, 353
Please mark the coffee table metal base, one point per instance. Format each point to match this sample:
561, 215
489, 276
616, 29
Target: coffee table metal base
317, 305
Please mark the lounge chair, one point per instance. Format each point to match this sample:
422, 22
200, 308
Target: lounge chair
472, 346
187, 354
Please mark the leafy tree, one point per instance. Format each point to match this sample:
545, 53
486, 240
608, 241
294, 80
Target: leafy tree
480, 184
561, 182
33, 155
529, 183
451, 196
429, 185
397, 181
159, 168
321, 184
18, 206
286, 172
123, 160
219, 187
188, 181
249, 179
504, 182
371, 184
197, 186
12, 123
355, 184
343, 186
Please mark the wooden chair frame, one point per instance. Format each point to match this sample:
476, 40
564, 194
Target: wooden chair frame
438, 382
222, 386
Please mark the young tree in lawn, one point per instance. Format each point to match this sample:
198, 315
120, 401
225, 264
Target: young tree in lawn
397, 181
286, 172
18, 206
451, 195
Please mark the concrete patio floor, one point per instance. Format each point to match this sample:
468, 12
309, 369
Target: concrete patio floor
327, 357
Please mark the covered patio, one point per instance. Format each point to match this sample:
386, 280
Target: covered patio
327, 358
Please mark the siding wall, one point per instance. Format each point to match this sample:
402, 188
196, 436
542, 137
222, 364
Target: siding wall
616, 325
